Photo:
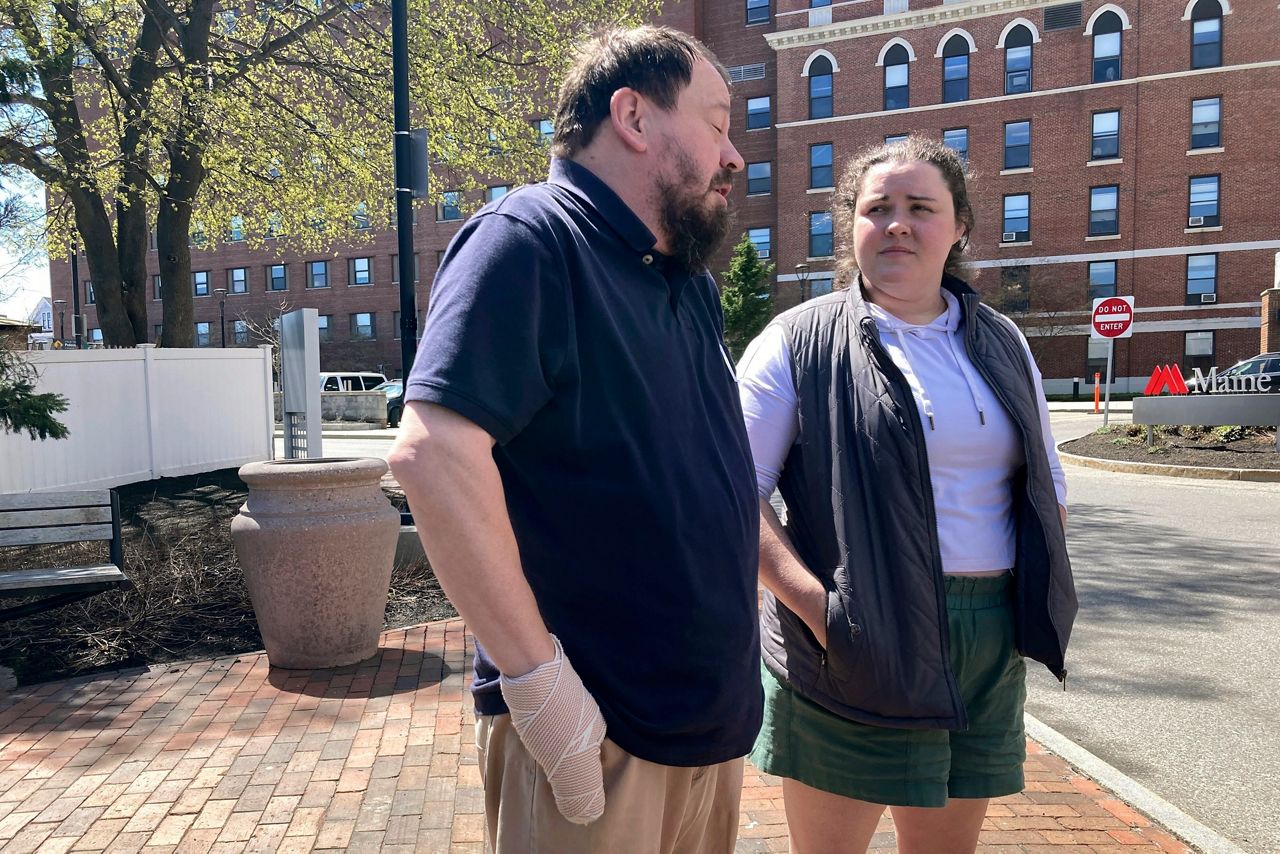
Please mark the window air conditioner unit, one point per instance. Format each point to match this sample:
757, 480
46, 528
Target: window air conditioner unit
1204, 298
1009, 237
1193, 221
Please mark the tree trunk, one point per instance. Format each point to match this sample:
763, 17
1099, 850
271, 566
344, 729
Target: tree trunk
173, 244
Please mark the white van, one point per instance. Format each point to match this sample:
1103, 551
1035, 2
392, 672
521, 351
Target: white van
350, 380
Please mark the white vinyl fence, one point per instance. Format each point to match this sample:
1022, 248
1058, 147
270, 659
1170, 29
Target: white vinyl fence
139, 414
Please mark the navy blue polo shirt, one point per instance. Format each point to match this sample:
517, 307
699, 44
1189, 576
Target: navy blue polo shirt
599, 367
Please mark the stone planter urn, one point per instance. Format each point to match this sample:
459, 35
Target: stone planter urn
316, 539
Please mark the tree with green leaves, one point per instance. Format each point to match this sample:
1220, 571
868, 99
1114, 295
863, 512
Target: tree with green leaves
22, 408
746, 296
211, 121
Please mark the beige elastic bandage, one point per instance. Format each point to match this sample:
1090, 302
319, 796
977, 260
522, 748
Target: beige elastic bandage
561, 726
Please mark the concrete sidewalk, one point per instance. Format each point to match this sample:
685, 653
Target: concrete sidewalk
230, 755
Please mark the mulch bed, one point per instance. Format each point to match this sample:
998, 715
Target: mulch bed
1233, 448
190, 599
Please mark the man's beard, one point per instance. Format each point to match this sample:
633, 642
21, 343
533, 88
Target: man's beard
693, 229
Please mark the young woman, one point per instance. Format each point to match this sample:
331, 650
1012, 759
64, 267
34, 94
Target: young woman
924, 555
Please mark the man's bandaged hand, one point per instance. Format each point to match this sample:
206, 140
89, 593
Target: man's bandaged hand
561, 726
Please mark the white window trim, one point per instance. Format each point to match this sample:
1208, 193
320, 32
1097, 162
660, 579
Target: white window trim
1100, 11
1224, 5
911, 53
955, 31
1008, 28
1217, 149
835, 66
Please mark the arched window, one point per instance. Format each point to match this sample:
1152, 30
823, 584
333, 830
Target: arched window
1017, 61
820, 88
955, 70
896, 79
1106, 47
1206, 34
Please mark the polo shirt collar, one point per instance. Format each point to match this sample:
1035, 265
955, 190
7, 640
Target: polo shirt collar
588, 187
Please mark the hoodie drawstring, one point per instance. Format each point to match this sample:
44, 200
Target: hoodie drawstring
962, 363
917, 385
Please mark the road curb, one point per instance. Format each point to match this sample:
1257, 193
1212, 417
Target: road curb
1198, 472
1131, 791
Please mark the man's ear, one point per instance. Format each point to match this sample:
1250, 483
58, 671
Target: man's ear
628, 115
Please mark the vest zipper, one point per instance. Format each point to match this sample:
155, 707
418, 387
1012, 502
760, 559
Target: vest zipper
969, 338
939, 584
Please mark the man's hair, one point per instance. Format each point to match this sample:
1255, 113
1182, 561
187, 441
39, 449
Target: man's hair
657, 62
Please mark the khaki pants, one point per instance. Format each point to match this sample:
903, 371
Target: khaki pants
649, 808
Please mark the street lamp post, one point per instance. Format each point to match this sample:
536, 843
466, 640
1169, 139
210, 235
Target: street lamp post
62, 316
222, 313
802, 275
75, 296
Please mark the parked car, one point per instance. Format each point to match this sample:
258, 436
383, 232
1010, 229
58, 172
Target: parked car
1261, 373
350, 380
394, 389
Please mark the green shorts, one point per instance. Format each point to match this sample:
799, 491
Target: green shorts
916, 768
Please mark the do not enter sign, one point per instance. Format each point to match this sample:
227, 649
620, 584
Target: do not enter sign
1113, 317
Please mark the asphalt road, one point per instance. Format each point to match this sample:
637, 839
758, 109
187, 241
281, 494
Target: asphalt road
1175, 660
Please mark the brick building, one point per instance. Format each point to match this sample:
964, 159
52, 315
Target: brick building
1118, 148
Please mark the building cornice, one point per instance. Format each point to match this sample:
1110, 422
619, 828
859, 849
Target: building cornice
880, 25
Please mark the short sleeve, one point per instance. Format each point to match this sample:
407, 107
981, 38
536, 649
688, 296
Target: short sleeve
496, 329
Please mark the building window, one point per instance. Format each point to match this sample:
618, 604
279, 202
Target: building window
159, 332
360, 271
277, 279
1106, 135
758, 113
897, 79
1015, 288
157, 287
819, 286
955, 70
450, 207
546, 131
1106, 47
1198, 350
362, 326
200, 283
1017, 145
759, 178
236, 233
1017, 61
89, 297
238, 280
202, 334
1104, 217
1017, 219
324, 328
1206, 123
762, 240
1202, 278
317, 274
239, 332
895, 138
757, 11
957, 139
1202, 210
821, 237
1206, 34
820, 170
395, 269
492, 194
1102, 279
95, 335
820, 88
1096, 359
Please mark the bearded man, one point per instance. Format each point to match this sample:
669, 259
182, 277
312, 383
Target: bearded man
575, 458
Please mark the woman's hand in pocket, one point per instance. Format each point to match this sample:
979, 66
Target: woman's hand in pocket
815, 612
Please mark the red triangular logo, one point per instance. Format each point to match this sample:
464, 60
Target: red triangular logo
1165, 378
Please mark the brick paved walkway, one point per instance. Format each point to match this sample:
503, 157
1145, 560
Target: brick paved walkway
228, 755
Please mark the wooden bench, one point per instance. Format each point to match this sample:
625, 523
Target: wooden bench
51, 518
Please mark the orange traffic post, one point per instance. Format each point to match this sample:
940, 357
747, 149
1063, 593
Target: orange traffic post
1097, 393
